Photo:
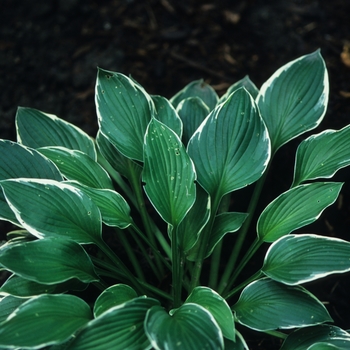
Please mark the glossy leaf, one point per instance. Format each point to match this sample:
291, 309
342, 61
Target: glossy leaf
48, 208
296, 208
21, 161
76, 165
217, 306
192, 111
38, 129
113, 296
294, 99
21, 287
8, 304
197, 88
304, 338
62, 260
166, 113
296, 259
246, 83
266, 305
114, 209
231, 148
190, 327
124, 110
168, 173
118, 328
44, 320
322, 155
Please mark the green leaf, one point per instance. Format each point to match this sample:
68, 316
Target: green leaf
76, 165
21, 287
294, 99
266, 305
217, 306
48, 208
21, 161
326, 346
167, 114
231, 148
44, 320
303, 338
296, 259
168, 173
63, 260
190, 327
322, 155
246, 83
38, 129
8, 304
296, 208
197, 88
124, 110
118, 328
195, 220
114, 209
115, 295
192, 111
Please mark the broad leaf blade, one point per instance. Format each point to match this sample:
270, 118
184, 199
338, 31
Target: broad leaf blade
8, 304
246, 83
322, 155
124, 110
217, 306
48, 208
76, 165
118, 328
231, 148
296, 208
191, 326
297, 259
192, 112
303, 338
44, 320
294, 99
197, 88
266, 305
38, 129
168, 173
63, 260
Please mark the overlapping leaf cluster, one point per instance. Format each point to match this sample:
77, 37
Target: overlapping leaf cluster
157, 182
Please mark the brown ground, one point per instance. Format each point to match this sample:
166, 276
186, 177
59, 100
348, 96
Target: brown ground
49, 51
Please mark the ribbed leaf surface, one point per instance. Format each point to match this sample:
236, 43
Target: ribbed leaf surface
246, 83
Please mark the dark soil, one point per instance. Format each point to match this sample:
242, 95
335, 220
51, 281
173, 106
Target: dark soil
49, 51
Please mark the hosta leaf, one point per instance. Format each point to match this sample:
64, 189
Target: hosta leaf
114, 209
63, 260
192, 112
8, 304
246, 83
197, 88
44, 320
296, 208
322, 155
294, 99
266, 305
190, 327
124, 110
217, 306
296, 259
167, 114
231, 148
191, 226
113, 296
168, 174
118, 328
48, 208
303, 338
38, 129
21, 287
20, 161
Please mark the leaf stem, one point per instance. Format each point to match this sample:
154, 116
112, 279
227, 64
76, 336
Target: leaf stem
177, 266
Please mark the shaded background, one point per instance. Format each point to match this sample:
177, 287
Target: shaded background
49, 52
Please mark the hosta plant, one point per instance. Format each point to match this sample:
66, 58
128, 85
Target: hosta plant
131, 239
